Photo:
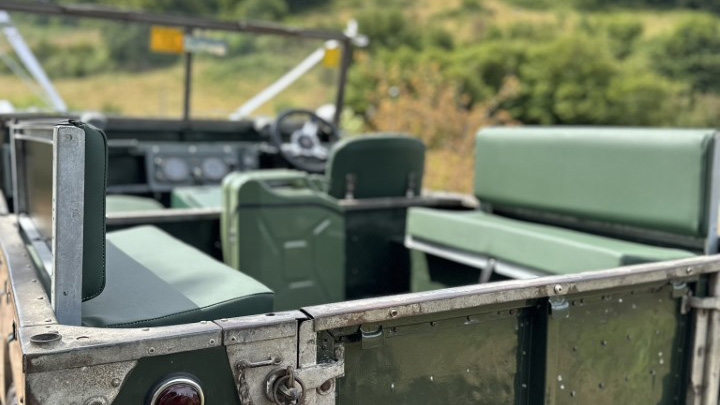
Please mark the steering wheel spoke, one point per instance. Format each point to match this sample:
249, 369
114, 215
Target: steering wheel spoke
304, 150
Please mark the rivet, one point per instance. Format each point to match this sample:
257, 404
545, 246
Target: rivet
572, 393
558, 288
115, 382
224, 320
432, 379
604, 342
145, 329
392, 386
393, 313
203, 322
232, 339
601, 385
433, 323
688, 270
212, 341
151, 350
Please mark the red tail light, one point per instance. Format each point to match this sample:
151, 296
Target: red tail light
178, 391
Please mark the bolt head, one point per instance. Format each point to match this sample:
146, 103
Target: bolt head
558, 289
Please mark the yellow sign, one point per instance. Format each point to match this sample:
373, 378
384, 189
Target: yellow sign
331, 59
167, 40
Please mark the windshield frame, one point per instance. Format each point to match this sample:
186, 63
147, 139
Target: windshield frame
189, 24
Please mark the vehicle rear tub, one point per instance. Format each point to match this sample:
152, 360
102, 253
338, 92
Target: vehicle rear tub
617, 336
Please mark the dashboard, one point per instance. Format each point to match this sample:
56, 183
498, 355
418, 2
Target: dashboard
158, 167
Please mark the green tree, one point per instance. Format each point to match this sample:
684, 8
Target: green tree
692, 53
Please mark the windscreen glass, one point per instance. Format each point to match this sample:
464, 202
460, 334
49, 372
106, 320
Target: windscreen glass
139, 70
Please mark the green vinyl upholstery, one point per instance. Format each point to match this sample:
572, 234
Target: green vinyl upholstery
145, 277
131, 203
155, 280
196, 197
93, 271
654, 183
550, 249
650, 178
380, 165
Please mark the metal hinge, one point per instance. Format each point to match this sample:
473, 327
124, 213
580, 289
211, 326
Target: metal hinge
372, 337
559, 308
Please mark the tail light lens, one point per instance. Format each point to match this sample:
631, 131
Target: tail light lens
178, 391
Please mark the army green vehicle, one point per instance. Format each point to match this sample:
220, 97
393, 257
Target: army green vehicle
315, 270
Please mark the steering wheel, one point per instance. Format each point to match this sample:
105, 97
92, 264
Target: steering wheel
304, 151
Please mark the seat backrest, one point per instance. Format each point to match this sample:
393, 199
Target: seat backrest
60, 180
650, 184
376, 166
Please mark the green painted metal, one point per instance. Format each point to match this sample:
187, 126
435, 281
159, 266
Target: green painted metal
455, 358
285, 235
210, 367
377, 263
620, 346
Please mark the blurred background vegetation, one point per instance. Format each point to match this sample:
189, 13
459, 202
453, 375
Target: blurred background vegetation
438, 69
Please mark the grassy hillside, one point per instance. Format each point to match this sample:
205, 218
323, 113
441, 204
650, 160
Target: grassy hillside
436, 69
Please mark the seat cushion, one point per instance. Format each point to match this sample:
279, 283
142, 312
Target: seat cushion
546, 248
654, 179
130, 203
381, 166
93, 275
155, 280
196, 197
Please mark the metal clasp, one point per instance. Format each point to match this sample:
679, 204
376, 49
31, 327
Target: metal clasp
689, 302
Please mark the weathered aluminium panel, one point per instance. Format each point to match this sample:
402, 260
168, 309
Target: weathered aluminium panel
621, 336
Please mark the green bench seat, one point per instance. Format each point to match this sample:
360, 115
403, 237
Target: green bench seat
549, 249
131, 203
196, 197
155, 280
558, 200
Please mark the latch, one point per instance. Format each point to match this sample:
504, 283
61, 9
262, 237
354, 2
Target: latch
689, 302
289, 386
284, 387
